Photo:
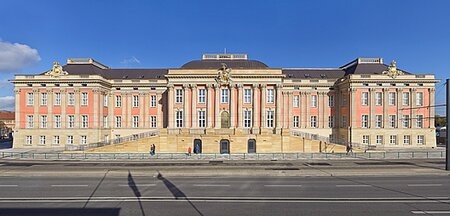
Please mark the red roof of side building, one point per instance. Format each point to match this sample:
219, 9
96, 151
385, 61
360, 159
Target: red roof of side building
7, 115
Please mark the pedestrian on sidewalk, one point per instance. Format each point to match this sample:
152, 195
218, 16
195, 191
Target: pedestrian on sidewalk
347, 149
189, 151
152, 149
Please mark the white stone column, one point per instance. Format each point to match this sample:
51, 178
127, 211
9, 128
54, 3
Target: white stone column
194, 106
129, 106
285, 109
143, 119
101, 99
232, 106
308, 107
17, 108
413, 108
159, 106
209, 109
431, 107
319, 110
240, 101
290, 113
353, 108
399, 93
327, 110
50, 120
111, 106
124, 106
63, 107
255, 108
372, 108
279, 99
385, 107
186, 107
94, 117
216, 106
170, 103
263, 105
77, 108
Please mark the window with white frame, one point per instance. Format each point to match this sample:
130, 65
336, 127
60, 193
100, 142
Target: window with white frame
247, 95
179, 118
41, 140
55, 140
365, 139
44, 99
105, 121
57, 121
135, 100
393, 139
178, 95
70, 121
201, 95
405, 121
30, 121
105, 100
314, 100
331, 101
201, 118
153, 121
270, 96
392, 98
314, 121
44, 121
379, 121
84, 98
270, 115
118, 101
344, 121
296, 101
70, 98
405, 99
392, 121
419, 98
296, 121
224, 96
30, 98
419, 121
118, 121
379, 139
247, 118
29, 140
135, 121
57, 99
84, 121
70, 139
83, 140
344, 100
152, 100
420, 139
364, 121
365, 98
406, 140
331, 121
378, 98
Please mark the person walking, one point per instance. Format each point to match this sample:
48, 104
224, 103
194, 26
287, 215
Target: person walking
197, 149
152, 149
189, 151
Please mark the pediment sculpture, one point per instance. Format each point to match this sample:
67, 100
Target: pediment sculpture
223, 76
392, 70
56, 71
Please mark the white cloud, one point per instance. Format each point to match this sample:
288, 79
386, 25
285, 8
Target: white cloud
132, 60
7, 103
15, 56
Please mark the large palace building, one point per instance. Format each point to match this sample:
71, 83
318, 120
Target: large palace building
225, 103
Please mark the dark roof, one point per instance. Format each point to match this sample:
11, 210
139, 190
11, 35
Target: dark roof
367, 69
313, 73
89, 69
215, 64
5, 115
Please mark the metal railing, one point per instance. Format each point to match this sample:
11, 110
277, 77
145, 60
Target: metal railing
338, 141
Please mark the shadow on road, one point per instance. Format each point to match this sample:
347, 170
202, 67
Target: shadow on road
136, 192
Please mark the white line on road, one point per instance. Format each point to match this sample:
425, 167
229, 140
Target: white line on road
8, 185
70, 185
430, 212
137, 185
211, 185
424, 185
282, 185
353, 186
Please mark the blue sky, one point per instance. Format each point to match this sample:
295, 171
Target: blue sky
166, 34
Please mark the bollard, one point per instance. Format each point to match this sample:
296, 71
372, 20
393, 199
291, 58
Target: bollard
58, 155
427, 155
128, 155
45, 155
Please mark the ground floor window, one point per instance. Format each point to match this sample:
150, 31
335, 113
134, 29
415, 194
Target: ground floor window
365, 139
251, 146
420, 139
70, 139
41, 140
29, 140
406, 139
379, 139
55, 140
83, 140
393, 139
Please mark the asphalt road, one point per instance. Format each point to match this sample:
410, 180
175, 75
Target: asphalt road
134, 192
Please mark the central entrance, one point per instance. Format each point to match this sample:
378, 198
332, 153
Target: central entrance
224, 146
225, 119
197, 146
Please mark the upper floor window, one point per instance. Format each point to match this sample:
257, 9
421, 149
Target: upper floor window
84, 121
224, 96
70, 121
378, 98
30, 121
105, 100
314, 100
201, 95
419, 121
135, 121
135, 100
405, 98
118, 121
365, 98
314, 121
43, 99
105, 121
296, 121
57, 121
153, 121
364, 121
247, 95
378, 121
296, 100
392, 98
331, 121
406, 121
331, 101
270, 96
202, 118
84, 98
178, 95
30, 98
71, 99
57, 99
118, 101
247, 118
179, 118
153, 100
392, 121
44, 121
270, 116
419, 98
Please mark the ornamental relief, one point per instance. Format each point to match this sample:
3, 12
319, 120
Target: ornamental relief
56, 71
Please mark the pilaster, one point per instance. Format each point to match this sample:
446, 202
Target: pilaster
170, 103
186, 106
263, 101
194, 106
240, 101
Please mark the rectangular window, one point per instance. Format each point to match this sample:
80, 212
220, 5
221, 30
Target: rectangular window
105, 100
70, 98
419, 121
224, 96
296, 101
179, 95
153, 100
70, 139
57, 121
314, 121
378, 98
202, 118
153, 121
331, 121
313, 100
331, 101
105, 121
179, 118
44, 121
392, 98
344, 100
365, 139
30, 98
365, 98
393, 139
135, 100
405, 98
135, 121
30, 121
84, 121
406, 140
29, 140
247, 118
270, 96
392, 121
405, 121
118, 121
420, 139
57, 99
201, 95
379, 140
419, 98
344, 121
247, 96
83, 140
270, 115
378, 121
43, 99
296, 121
41, 140
55, 140
118, 101
84, 98
364, 121
70, 121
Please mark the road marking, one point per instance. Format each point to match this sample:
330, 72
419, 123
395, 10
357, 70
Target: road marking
8, 185
353, 186
70, 185
211, 185
137, 185
282, 185
430, 212
424, 185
